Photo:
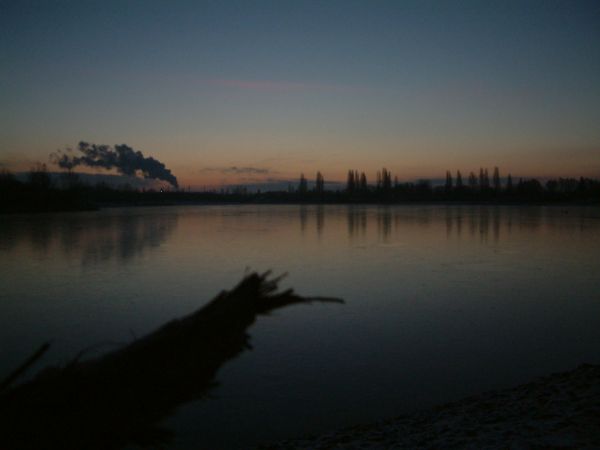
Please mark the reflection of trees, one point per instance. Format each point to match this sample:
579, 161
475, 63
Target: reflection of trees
303, 218
449, 217
320, 219
307, 213
127, 236
483, 219
496, 222
473, 221
357, 221
384, 223
386, 218
482, 222
95, 238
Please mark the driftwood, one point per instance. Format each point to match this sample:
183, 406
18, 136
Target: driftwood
119, 398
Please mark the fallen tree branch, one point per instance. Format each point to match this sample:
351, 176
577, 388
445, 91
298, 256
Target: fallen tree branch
10, 379
119, 398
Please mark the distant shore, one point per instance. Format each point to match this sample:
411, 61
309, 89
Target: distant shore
60, 203
42, 192
561, 410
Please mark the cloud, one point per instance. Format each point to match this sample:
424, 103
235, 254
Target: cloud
259, 85
238, 170
278, 86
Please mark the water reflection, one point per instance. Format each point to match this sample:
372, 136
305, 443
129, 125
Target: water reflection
356, 218
384, 223
127, 237
307, 214
94, 238
482, 223
430, 290
449, 221
303, 218
496, 224
320, 219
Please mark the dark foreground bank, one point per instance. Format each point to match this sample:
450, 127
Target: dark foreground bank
559, 411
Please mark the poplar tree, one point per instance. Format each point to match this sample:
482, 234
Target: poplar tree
459, 182
473, 181
350, 186
363, 182
496, 179
448, 185
320, 183
509, 183
303, 185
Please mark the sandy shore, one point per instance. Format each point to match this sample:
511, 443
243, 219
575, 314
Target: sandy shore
555, 412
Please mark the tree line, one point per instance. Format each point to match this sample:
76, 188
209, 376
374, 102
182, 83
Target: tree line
476, 187
41, 192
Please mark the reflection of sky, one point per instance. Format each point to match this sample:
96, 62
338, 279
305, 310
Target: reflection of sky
303, 86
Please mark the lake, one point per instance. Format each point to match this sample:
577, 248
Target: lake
440, 302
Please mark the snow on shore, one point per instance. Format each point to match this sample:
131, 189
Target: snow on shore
558, 411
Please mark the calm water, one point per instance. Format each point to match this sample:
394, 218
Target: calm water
441, 302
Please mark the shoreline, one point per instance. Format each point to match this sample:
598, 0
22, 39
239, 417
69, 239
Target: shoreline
561, 410
45, 209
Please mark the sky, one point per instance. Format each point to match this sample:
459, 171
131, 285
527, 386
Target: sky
256, 91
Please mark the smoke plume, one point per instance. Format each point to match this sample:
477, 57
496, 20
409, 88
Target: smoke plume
121, 157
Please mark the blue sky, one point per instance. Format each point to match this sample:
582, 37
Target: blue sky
284, 87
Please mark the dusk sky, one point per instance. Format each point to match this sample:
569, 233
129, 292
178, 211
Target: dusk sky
248, 91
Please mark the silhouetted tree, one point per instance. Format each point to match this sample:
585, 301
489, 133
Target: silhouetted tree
448, 185
509, 184
363, 182
530, 189
582, 185
567, 185
386, 180
423, 188
350, 186
459, 181
70, 180
303, 185
496, 180
320, 183
39, 177
473, 181
7, 179
484, 179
